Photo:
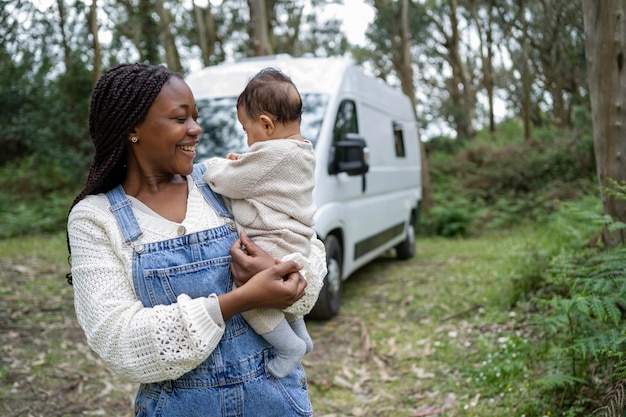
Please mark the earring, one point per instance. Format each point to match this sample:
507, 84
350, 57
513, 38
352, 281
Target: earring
134, 138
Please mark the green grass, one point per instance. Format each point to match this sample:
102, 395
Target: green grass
46, 367
430, 336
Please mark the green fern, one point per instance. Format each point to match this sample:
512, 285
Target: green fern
583, 312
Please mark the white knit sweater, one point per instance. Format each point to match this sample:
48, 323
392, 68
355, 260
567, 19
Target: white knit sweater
270, 191
146, 344
270, 188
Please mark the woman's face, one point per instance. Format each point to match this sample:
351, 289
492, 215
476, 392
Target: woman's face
169, 134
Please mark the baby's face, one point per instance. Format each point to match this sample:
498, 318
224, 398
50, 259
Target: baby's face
255, 129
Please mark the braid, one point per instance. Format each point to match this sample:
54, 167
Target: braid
119, 102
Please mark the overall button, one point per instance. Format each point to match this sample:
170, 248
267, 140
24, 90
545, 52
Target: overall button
181, 230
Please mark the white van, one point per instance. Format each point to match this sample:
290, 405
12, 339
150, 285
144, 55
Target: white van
368, 175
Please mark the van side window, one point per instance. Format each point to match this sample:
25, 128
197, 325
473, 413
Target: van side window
346, 121
398, 135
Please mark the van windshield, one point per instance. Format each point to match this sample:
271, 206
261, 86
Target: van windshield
222, 133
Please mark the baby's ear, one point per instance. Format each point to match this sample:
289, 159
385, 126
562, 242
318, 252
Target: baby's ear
268, 124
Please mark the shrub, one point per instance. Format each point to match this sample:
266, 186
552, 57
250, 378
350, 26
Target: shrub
507, 180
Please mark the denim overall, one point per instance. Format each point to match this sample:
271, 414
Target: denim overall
232, 381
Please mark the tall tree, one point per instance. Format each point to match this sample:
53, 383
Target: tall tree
557, 40
206, 35
462, 84
172, 58
261, 42
65, 42
605, 33
484, 28
94, 29
405, 71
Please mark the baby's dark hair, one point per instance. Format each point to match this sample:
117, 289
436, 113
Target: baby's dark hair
120, 101
271, 92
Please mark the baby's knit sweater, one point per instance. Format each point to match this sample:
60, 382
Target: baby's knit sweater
270, 189
146, 344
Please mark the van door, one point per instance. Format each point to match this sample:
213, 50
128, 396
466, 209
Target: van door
351, 182
377, 203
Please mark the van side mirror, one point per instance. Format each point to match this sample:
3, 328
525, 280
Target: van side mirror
349, 156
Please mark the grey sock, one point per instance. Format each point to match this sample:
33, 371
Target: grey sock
299, 327
289, 350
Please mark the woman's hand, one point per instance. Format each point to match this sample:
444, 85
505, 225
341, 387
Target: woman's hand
278, 286
248, 259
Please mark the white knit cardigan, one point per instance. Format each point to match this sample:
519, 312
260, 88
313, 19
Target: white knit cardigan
270, 189
146, 344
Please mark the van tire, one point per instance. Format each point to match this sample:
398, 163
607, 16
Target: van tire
329, 300
406, 249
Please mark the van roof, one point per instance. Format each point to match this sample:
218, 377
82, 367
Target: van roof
310, 74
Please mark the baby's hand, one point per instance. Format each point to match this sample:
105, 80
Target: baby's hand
232, 156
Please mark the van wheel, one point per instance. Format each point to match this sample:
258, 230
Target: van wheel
406, 249
328, 303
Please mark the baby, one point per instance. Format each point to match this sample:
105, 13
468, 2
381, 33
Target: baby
270, 192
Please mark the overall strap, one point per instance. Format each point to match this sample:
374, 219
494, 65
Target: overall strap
215, 200
122, 210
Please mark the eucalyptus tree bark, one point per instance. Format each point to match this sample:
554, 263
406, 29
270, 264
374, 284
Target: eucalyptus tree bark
207, 32
485, 39
405, 73
526, 107
67, 50
605, 41
95, 40
460, 85
258, 16
172, 57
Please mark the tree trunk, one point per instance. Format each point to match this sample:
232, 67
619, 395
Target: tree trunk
462, 91
526, 103
605, 43
95, 40
485, 47
405, 72
207, 32
67, 51
258, 17
526, 91
172, 58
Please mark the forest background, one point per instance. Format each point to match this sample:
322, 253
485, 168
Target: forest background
503, 92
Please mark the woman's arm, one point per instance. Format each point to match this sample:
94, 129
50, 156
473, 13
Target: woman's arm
138, 343
248, 259
278, 286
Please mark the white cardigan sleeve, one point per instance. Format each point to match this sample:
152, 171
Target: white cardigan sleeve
138, 343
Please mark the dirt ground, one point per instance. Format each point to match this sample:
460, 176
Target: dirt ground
47, 368
383, 355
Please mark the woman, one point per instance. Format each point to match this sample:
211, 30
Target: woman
151, 248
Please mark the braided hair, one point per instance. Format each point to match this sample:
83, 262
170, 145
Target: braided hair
120, 101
